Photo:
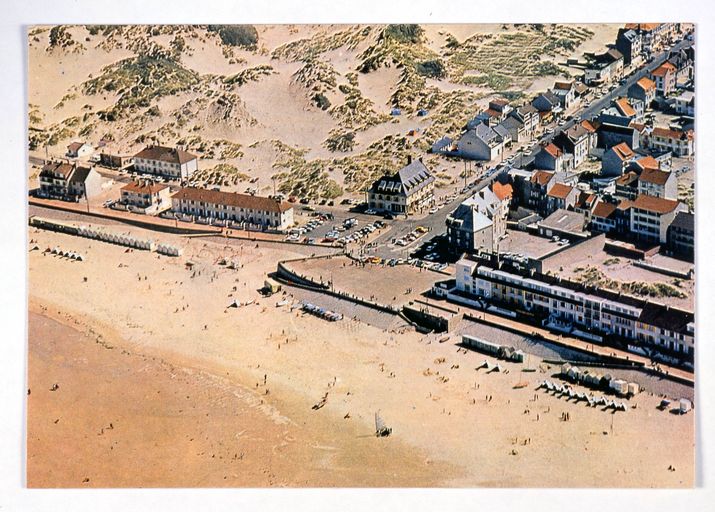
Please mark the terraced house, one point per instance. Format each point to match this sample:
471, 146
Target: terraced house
231, 207
69, 182
651, 217
586, 311
172, 163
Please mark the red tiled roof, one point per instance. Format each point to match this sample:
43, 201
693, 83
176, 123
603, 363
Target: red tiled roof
626, 204
623, 151
604, 209
554, 151
645, 27
625, 107
502, 190
654, 204
232, 199
655, 176
627, 178
560, 190
492, 112
164, 154
672, 134
646, 84
648, 162
74, 147
141, 187
663, 69
500, 101
542, 177
62, 168
589, 126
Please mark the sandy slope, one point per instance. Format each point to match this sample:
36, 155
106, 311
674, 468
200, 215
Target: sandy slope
442, 412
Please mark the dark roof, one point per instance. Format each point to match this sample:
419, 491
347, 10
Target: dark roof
673, 319
164, 154
62, 168
684, 221
411, 178
257, 203
80, 174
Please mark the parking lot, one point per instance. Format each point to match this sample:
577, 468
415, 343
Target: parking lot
383, 283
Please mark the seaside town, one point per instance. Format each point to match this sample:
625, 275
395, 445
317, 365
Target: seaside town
507, 301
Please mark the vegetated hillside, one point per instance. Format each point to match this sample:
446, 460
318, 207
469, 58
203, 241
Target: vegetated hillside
307, 108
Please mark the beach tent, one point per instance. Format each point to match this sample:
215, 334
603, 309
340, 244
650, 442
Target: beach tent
685, 405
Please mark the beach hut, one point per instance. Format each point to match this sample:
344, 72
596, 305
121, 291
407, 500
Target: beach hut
518, 356
574, 372
685, 405
633, 388
619, 386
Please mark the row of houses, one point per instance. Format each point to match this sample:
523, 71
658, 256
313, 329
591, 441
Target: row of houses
595, 312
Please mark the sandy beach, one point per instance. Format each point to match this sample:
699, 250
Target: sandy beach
173, 336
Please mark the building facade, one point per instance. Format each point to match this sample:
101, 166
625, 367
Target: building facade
407, 191
172, 163
206, 204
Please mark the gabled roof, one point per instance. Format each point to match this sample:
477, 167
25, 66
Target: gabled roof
643, 27
646, 84
604, 210
552, 150
663, 69
257, 203
586, 200
589, 126
624, 205
144, 187
62, 168
75, 146
502, 190
576, 132
560, 190
647, 162
80, 174
627, 179
672, 134
411, 178
655, 204
624, 107
654, 176
622, 151
164, 154
684, 220
541, 177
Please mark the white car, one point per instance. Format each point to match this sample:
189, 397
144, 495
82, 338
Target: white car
370, 212
434, 210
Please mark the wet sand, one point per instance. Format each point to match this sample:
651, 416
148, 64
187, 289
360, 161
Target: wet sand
122, 419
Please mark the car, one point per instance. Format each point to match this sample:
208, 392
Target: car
388, 216
401, 242
370, 211
434, 210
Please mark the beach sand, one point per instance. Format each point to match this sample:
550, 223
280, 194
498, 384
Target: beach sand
446, 430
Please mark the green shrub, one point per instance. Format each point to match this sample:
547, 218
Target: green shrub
431, 68
236, 35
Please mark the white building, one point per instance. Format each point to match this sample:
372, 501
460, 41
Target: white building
572, 305
172, 163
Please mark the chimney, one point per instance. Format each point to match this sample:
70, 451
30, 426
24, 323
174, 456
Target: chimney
409, 159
